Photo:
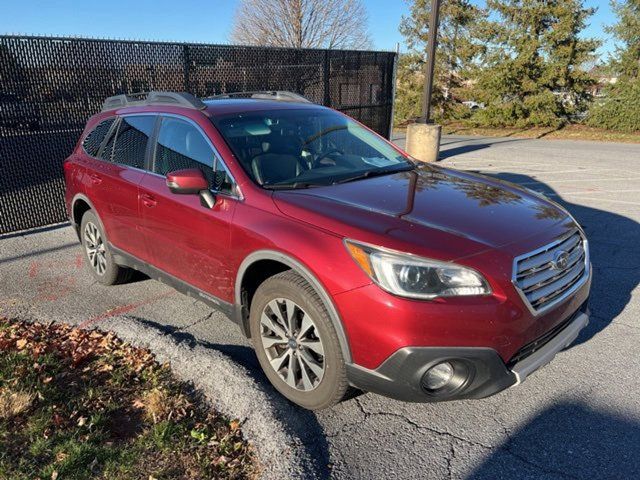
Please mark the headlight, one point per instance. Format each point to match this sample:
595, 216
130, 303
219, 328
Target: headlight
416, 277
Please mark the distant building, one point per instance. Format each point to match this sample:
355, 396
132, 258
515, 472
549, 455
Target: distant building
603, 80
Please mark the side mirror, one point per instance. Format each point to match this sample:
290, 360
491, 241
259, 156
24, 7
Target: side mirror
188, 181
191, 181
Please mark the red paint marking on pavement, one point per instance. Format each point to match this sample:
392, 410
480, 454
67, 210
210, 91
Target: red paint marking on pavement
37, 268
123, 309
33, 269
55, 288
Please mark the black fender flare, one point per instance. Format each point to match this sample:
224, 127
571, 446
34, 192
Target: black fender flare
83, 197
75, 222
305, 273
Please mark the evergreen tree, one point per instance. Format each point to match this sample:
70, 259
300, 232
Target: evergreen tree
409, 85
532, 62
620, 108
626, 62
456, 50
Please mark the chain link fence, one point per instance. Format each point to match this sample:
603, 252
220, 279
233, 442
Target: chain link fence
50, 86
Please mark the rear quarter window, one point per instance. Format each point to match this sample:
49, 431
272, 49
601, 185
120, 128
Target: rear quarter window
93, 140
131, 140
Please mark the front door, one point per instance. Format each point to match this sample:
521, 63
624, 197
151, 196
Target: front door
185, 239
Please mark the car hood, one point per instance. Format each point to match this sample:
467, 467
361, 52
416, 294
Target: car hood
428, 205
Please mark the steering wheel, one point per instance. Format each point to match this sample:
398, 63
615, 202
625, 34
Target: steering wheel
316, 162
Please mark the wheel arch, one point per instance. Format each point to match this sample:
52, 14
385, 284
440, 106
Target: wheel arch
80, 204
295, 265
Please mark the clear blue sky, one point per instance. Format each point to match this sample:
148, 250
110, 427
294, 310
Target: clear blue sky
207, 21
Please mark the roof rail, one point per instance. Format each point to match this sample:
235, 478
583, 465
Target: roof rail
279, 95
180, 99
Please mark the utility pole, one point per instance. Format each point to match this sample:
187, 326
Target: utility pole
429, 66
423, 137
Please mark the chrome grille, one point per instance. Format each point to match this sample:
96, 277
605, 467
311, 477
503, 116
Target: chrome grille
550, 274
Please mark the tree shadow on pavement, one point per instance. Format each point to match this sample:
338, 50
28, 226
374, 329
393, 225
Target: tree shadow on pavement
567, 440
478, 144
614, 250
300, 423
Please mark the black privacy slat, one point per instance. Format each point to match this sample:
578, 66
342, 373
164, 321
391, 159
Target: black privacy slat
49, 87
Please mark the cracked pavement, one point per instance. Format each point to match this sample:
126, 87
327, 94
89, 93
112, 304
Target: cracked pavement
578, 417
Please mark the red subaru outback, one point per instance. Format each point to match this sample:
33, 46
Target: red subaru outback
346, 262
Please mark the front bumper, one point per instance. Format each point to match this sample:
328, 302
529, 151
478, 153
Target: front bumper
400, 375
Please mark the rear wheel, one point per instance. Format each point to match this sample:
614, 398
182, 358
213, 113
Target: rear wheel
296, 343
99, 259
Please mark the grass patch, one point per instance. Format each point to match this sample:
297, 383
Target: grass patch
569, 132
78, 404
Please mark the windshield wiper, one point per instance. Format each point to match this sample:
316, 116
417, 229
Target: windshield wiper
375, 173
291, 186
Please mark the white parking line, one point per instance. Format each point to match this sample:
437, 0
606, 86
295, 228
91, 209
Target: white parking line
577, 180
519, 167
522, 168
582, 192
586, 170
601, 199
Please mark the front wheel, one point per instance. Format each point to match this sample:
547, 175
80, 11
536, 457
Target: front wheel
296, 343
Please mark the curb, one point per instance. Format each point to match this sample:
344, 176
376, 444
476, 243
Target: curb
282, 435
230, 388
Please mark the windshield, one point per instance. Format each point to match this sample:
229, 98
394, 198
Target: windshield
285, 149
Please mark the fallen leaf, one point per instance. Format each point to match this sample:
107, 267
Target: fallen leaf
21, 343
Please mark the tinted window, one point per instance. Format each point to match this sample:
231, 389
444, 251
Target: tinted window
93, 141
298, 148
131, 140
181, 145
107, 151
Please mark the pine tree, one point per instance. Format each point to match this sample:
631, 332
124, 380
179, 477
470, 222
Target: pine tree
626, 62
456, 50
620, 108
409, 85
533, 56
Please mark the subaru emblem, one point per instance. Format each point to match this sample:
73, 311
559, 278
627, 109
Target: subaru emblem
560, 260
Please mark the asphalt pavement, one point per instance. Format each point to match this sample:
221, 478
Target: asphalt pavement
578, 417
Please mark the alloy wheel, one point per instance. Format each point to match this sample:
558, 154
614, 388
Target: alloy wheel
291, 340
96, 251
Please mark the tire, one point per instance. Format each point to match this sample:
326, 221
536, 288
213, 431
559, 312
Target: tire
308, 386
101, 264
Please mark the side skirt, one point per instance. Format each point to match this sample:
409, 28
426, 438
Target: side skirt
127, 260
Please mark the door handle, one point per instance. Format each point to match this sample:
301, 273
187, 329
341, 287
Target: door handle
148, 200
95, 179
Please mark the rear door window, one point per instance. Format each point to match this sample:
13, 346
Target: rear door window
93, 140
131, 140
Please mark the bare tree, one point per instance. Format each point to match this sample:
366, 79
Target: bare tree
302, 23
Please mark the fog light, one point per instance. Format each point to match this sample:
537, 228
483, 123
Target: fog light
439, 376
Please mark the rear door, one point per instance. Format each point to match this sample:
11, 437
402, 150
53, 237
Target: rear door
112, 181
185, 239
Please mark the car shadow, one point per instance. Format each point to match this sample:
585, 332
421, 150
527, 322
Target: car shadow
300, 423
567, 440
614, 250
